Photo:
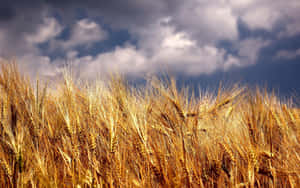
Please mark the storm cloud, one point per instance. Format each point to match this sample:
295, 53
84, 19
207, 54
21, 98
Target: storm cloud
182, 36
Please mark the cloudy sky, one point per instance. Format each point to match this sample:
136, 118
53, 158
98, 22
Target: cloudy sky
204, 41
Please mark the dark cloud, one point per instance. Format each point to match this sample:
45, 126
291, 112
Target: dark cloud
19, 17
205, 21
117, 13
6, 13
128, 14
182, 34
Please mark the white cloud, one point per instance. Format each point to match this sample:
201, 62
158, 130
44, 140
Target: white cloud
32, 60
84, 33
126, 59
37, 65
206, 21
266, 14
177, 51
123, 59
191, 60
164, 48
178, 40
72, 54
220, 20
231, 61
285, 54
49, 29
171, 50
261, 17
240, 3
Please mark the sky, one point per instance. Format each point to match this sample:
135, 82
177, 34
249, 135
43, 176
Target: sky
199, 41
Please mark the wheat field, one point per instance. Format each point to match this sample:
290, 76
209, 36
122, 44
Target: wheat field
115, 135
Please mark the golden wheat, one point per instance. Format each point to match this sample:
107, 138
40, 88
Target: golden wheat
68, 134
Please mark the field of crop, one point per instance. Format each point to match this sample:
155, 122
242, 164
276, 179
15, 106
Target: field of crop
114, 135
